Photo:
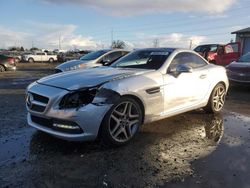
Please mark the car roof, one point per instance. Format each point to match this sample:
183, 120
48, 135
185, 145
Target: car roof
157, 49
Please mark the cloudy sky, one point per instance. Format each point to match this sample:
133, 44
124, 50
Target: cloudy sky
89, 24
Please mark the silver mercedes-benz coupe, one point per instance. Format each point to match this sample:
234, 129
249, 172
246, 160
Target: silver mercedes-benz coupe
144, 86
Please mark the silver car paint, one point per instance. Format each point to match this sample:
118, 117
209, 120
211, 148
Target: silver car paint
87, 63
133, 82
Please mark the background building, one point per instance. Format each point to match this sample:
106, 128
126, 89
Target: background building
243, 36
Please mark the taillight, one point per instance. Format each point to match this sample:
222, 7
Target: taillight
11, 60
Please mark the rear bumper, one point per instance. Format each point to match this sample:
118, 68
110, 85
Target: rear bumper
12, 68
239, 82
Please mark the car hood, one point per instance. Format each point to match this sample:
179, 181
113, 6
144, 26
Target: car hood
83, 78
72, 63
239, 67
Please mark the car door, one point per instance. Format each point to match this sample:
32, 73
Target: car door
38, 56
43, 57
187, 89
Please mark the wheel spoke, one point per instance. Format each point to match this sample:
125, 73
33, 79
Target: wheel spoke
115, 118
125, 108
115, 128
125, 134
118, 113
118, 132
133, 122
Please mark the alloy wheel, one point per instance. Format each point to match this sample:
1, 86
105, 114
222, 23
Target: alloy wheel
219, 97
124, 121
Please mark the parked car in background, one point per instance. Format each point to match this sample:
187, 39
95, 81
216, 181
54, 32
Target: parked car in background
16, 55
219, 54
208, 51
239, 71
7, 63
93, 59
114, 101
39, 57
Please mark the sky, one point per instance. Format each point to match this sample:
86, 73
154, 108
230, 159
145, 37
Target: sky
93, 24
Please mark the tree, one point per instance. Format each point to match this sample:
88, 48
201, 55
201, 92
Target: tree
119, 44
34, 49
13, 48
21, 49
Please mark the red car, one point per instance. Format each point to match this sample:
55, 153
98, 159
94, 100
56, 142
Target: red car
220, 54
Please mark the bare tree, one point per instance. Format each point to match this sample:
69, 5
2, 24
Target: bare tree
119, 44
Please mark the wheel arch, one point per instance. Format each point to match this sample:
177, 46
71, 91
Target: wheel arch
137, 99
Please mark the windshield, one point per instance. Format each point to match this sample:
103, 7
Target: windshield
143, 59
245, 58
94, 55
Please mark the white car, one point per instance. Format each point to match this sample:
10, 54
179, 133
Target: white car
39, 57
93, 59
144, 86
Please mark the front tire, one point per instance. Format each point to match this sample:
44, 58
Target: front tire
122, 122
2, 69
217, 99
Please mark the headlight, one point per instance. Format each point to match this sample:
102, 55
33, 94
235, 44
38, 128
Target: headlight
78, 98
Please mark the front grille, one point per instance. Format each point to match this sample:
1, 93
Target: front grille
40, 98
36, 102
37, 108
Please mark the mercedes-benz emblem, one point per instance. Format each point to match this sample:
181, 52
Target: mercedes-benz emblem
29, 100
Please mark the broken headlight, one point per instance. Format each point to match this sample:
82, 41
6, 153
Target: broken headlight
78, 98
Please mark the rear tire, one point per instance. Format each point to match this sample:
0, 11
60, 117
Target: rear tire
51, 60
122, 122
217, 99
31, 60
2, 69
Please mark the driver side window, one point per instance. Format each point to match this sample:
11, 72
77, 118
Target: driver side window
186, 58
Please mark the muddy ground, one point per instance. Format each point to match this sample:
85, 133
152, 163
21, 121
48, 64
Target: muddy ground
189, 150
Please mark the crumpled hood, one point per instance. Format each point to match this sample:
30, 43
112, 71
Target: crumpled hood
239, 67
73, 80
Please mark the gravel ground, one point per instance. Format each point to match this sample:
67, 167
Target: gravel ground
189, 150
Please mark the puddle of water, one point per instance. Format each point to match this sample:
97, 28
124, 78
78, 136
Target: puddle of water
161, 151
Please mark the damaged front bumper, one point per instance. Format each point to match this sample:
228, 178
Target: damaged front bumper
73, 124
88, 118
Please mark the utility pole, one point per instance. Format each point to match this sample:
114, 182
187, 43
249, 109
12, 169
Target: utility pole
156, 43
112, 35
32, 44
59, 42
191, 44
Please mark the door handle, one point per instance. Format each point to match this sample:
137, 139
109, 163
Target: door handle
203, 76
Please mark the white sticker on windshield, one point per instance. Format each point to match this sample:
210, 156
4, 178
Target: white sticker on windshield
159, 53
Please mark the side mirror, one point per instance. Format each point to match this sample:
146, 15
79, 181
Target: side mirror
183, 68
